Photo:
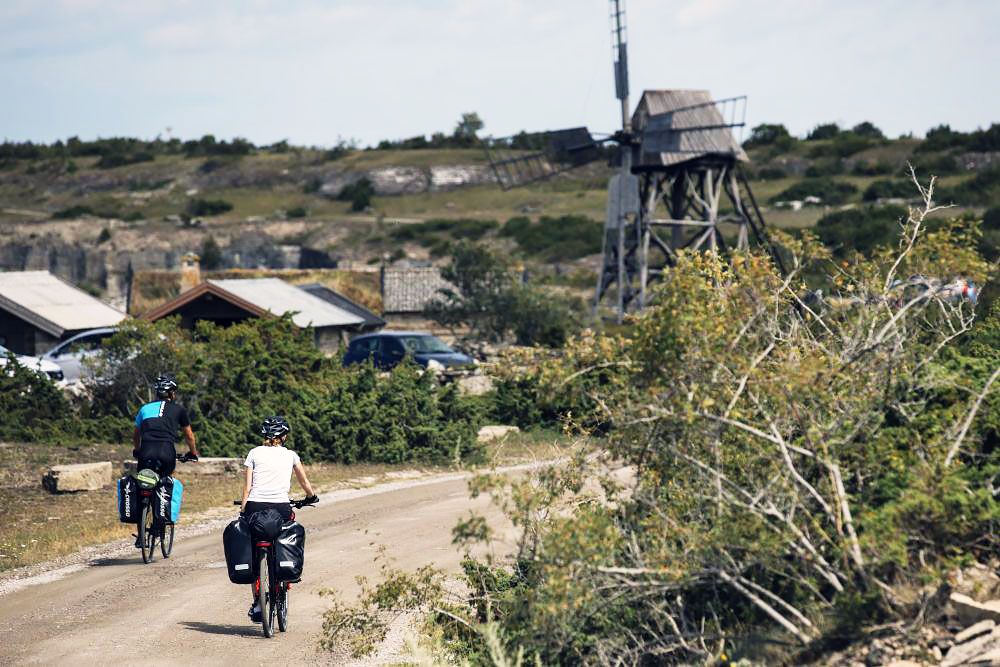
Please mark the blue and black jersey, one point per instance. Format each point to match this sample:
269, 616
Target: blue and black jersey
160, 421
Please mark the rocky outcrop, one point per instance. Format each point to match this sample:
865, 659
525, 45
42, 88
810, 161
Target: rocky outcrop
77, 477
390, 181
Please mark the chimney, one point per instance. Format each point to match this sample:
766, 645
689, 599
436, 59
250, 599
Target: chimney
190, 272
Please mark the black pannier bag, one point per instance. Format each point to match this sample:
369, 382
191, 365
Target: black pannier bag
290, 551
239, 552
167, 499
129, 507
266, 524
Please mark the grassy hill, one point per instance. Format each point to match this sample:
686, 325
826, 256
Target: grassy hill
285, 193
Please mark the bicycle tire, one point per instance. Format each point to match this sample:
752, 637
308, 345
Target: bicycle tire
166, 539
147, 533
266, 597
283, 607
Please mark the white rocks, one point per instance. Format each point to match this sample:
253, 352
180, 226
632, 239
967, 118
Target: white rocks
969, 611
475, 385
973, 652
77, 477
495, 432
980, 628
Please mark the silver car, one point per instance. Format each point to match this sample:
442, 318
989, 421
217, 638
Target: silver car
71, 354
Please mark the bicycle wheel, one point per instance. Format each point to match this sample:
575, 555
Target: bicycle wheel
266, 595
147, 533
166, 539
283, 607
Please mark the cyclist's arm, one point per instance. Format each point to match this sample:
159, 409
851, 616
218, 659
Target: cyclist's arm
136, 437
247, 482
300, 474
189, 437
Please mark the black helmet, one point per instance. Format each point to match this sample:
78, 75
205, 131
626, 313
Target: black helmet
275, 427
164, 385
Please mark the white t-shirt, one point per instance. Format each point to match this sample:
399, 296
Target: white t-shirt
272, 473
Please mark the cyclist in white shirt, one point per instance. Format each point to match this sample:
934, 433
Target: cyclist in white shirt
269, 469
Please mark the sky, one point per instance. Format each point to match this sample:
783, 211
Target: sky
317, 71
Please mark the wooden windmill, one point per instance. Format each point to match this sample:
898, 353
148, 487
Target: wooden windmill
678, 183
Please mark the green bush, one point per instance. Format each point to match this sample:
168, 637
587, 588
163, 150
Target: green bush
71, 212
823, 131
842, 145
205, 207
866, 168
113, 160
297, 212
830, 191
983, 189
769, 134
359, 193
555, 239
822, 168
231, 377
211, 254
889, 189
860, 229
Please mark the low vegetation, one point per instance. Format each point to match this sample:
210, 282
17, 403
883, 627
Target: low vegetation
800, 473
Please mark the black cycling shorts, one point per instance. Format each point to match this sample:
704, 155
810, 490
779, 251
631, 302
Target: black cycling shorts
158, 456
284, 509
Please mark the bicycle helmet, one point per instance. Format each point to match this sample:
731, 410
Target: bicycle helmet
275, 427
164, 385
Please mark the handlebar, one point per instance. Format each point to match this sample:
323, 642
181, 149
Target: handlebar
308, 501
187, 457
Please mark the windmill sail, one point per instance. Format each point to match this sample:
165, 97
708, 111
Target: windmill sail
527, 158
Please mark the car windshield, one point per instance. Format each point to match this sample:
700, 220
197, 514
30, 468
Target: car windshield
424, 345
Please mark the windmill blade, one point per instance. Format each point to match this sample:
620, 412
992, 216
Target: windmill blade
528, 158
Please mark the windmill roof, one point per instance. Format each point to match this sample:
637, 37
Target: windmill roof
670, 112
53, 305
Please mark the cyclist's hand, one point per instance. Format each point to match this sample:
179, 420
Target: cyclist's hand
310, 500
192, 457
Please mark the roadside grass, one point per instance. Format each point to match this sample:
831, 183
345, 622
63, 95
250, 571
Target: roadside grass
36, 526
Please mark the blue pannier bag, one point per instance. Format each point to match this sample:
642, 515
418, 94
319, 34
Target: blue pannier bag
168, 499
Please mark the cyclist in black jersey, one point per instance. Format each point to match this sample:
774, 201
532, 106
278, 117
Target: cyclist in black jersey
156, 427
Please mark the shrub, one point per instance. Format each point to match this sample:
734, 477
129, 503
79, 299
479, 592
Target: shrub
33, 408
829, 191
359, 193
556, 239
312, 186
113, 160
823, 131
889, 189
866, 168
75, 211
772, 173
206, 207
844, 144
297, 212
983, 189
867, 129
769, 134
230, 377
491, 302
211, 254
824, 168
860, 229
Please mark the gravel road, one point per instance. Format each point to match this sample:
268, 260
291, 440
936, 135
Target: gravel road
109, 608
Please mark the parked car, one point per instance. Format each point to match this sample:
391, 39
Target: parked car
71, 354
388, 348
38, 364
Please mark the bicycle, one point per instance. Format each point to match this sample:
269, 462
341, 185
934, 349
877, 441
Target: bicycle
151, 526
272, 593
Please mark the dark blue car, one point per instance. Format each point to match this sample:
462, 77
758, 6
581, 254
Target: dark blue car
389, 348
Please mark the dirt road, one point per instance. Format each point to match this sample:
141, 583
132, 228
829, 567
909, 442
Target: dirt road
183, 610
